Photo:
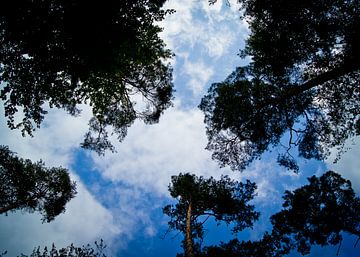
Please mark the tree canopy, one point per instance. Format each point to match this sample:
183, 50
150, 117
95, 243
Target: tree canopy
67, 53
318, 213
315, 214
225, 200
302, 81
31, 187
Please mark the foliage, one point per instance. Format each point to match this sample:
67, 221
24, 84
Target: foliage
67, 53
317, 213
71, 251
32, 186
303, 81
314, 214
224, 199
234, 248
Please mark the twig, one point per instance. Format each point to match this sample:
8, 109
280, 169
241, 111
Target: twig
337, 253
357, 241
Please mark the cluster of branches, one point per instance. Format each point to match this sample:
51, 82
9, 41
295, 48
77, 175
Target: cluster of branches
302, 80
315, 214
67, 53
31, 187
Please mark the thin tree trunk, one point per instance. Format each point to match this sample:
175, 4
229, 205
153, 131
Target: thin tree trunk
188, 235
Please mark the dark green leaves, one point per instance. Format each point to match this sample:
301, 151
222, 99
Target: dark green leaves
68, 53
224, 199
317, 213
302, 83
33, 187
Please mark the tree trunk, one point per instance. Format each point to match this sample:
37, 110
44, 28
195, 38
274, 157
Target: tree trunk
188, 235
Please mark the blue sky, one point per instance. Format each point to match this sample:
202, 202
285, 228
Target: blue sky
121, 195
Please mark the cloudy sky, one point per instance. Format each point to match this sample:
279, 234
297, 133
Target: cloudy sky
121, 195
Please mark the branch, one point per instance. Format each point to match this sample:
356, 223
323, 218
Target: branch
295, 90
337, 253
357, 241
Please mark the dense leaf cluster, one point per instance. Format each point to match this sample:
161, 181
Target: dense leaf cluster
317, 213
225, 200
29, 186
303, 79
66, 53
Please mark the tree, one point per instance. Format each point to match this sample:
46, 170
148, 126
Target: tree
67, 53
71, 251
31, 187
225, 200
318, 213
302, 81
314, 214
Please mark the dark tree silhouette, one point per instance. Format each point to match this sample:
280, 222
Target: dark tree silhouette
302, 80
315, 214
71, 251
224, 199
318, 213
29, 186
67, 53
266, 247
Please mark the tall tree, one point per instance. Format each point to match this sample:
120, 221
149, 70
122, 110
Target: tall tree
302, 80
67, 53
224, 199
31, 187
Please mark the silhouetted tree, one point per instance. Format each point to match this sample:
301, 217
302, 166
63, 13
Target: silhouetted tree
303, 80
71, 251
67, 53
318, 213
29, 186
266, 247
224, 199
315, 214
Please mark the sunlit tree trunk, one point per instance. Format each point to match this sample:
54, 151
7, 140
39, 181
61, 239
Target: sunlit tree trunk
188, 235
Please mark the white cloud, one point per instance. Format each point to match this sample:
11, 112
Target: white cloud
196, 23
349, 163
199, 74
205, 40
149, 155
214, 27
54, 142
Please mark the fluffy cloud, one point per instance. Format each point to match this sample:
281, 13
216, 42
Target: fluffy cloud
149, 155
205, 40
199, 75
54, 142
212, 27
349, 163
